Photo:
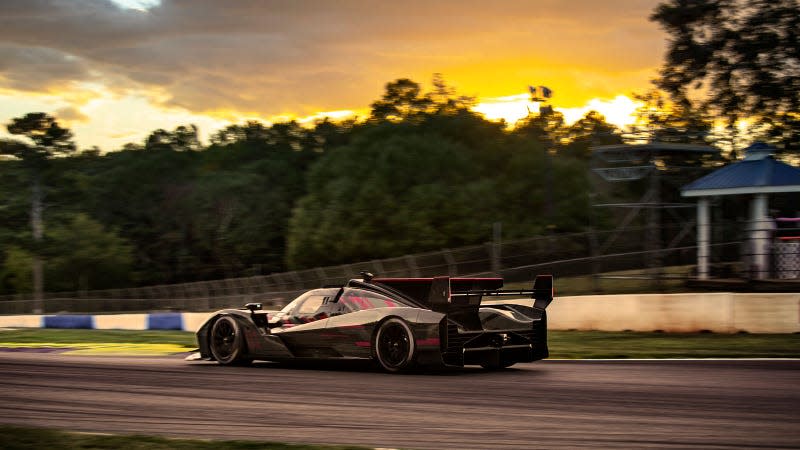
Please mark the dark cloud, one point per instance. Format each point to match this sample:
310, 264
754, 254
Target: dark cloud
39, 69
271, 57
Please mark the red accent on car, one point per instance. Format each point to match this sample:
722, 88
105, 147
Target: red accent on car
422, 280
363, 344
333, 335
428, 341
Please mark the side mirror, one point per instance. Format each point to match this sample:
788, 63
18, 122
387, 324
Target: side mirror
253, 306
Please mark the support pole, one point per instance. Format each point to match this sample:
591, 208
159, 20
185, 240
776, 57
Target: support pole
760, 228
703, 238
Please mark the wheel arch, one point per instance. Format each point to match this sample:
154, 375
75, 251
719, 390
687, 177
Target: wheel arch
237, 317
408, 325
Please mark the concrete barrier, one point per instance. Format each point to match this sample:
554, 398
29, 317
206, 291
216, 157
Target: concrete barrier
717, 312
121, 322
29, 321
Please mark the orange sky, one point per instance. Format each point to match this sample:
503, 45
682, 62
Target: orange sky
113, 71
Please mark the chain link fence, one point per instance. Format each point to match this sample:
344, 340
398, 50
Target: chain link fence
592, 255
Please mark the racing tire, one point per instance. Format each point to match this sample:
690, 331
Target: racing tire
394, 345
227, 342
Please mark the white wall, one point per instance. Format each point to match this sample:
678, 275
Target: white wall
717, 312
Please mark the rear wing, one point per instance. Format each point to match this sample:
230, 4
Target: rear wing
440, 292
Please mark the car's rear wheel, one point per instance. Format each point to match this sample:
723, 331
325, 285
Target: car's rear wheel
227, 342
394, 345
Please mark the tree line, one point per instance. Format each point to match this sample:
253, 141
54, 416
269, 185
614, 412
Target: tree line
422, 173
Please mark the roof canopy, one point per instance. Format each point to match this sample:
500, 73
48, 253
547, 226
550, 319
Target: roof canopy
758, 173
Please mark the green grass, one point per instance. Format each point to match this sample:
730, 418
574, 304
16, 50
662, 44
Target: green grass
563, 344
66, 336
25, 438
600, 344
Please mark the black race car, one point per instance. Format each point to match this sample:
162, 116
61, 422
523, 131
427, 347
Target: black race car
397, 322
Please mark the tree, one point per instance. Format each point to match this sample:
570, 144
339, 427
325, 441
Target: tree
592, 129
404, 100
184, 138
82, 255
49, 140
546, 127
744, 55
661, 120
439, 181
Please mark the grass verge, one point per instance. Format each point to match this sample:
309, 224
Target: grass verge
563, 344
66, 336
25, 438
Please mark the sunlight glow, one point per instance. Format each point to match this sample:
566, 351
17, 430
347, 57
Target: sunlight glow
509, 108
619, 111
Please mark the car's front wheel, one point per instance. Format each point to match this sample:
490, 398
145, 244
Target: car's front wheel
394, 345
227, 342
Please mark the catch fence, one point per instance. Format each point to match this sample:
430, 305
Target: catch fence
591, 255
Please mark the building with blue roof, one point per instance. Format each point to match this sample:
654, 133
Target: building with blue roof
758, 175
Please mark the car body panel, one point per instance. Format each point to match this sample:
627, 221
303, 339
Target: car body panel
450, 328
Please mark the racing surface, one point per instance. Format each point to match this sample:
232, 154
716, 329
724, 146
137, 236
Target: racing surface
547, 404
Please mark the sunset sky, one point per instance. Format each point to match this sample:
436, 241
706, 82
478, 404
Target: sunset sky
113, 71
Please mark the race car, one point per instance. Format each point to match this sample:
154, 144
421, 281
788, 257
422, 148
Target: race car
398, 323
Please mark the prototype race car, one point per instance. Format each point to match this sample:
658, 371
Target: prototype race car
397, 322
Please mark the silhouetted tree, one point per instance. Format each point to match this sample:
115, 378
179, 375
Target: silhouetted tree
744, 55
662, 120
182, 139
590, 130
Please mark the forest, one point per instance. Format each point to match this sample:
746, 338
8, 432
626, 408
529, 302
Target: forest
422, 172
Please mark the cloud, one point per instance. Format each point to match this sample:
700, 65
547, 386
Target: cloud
69, 115
269, 57
39, 69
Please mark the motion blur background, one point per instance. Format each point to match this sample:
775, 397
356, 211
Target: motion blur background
191, 155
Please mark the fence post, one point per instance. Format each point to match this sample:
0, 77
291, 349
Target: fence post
411, 262
452, 267
321, 275
593, 246
497, 232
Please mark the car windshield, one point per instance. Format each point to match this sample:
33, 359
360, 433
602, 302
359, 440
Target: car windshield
321, 293
358, 299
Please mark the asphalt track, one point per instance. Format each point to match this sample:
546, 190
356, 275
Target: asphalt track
549, 404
